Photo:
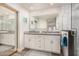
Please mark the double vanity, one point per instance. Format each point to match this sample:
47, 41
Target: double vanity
42, 34
49, 42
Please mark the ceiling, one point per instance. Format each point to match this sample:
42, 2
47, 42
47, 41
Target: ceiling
39, 6
46, 16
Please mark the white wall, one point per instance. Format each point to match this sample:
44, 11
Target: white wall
64, 18
45, 12
22, 26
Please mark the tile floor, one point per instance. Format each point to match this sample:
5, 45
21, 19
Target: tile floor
33, 53
6, 50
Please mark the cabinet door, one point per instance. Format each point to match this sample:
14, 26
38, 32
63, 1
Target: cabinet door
27, 42
8, 39
39, 42
55, 44
47, 43
11, 39
4, 39
42, 42
32, 41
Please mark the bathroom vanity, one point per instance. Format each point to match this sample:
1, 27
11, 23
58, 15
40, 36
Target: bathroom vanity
49, 42
42, 34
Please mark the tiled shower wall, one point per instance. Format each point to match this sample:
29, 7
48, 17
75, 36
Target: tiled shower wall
75, 26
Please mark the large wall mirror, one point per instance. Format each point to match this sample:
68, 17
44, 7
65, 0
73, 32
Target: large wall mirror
8, 29
43, 23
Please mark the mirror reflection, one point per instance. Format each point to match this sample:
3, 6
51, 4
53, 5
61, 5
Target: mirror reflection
43, 23
7, 31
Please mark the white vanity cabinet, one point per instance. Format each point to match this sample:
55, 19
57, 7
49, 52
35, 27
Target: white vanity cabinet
27, 41
55, 44
39, 42
8, 39
32, 41
52, 43
49, 43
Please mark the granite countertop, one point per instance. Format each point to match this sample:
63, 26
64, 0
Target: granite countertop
43, 33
